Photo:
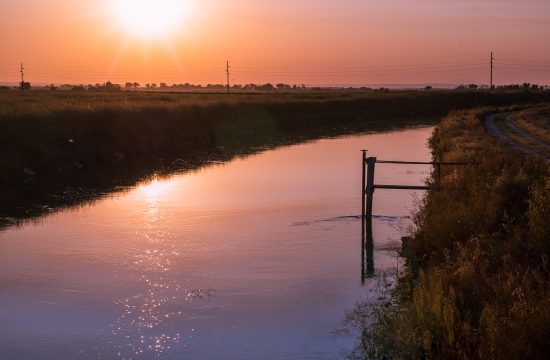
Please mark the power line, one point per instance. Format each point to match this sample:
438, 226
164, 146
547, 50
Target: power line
269, 69
194, 74
534, 67
509, 67
527, 61
363, 71
389, 67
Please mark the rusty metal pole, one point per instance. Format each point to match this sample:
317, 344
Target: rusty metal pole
371, 164
363, 169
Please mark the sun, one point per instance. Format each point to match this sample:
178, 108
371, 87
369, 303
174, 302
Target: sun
150, 18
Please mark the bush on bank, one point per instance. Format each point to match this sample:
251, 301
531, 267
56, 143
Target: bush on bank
478, 282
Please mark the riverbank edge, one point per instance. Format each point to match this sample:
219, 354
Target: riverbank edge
63, 149
477, 283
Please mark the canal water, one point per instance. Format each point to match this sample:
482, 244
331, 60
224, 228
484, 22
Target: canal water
256, 258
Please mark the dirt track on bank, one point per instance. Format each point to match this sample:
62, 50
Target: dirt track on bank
515, 137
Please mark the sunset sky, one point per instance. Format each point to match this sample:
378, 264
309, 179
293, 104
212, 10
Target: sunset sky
307, 41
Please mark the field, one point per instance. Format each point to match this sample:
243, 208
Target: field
60, 148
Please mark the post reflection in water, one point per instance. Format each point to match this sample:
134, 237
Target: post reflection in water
367, 250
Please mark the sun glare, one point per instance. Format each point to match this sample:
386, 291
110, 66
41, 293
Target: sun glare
154, 189
150, 18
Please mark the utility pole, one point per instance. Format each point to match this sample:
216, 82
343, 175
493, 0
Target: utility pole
227, 71
492, 67
22, 77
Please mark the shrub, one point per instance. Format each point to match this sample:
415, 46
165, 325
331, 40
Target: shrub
478, 284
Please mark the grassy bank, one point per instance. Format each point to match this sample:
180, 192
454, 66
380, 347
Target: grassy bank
92, 142
479, 274
535, 121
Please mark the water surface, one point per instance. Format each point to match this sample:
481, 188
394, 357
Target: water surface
255, 258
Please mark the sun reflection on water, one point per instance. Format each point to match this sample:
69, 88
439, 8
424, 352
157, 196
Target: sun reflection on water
150, 324
148, 321
153, 189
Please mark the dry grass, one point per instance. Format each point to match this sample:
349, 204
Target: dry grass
53, 139
479, 276
538, 145
536, 121
51, 131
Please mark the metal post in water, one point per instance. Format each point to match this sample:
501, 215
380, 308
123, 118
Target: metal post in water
371, 164
363, 169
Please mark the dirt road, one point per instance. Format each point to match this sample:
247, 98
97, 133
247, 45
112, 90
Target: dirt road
515, 137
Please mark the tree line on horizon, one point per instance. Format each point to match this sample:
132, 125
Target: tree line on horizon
109, 86
267, 87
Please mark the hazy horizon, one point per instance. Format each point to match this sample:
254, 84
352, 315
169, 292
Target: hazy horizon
310, 42
357, 86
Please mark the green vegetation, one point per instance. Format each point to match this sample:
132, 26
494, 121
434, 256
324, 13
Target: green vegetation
92, 142
478, 282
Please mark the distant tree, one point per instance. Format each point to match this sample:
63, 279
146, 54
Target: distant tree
215, 86
129, 85
428, 88
3, 87
281, 86
82, 88
65, 86
136, 85
266, 87
472, 87
25, 85
163, 85
51, 87
109, 86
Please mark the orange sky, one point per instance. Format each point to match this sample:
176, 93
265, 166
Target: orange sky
306, 41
